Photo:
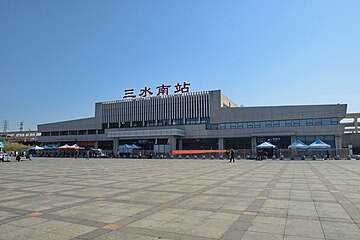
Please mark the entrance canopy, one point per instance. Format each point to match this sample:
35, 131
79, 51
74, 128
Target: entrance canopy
266, 145
298, 145
128, 148
318, 144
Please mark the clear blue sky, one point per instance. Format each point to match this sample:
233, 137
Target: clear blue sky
57, 58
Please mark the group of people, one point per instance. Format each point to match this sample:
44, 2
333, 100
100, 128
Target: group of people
261, 155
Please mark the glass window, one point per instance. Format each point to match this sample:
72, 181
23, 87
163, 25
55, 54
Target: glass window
137, 124
114, 125
326, 121
150, 123
318, 121
302, 122
288, 123
192, 121
227, 125
72, 132
259, 124
233, 125
125, 124
54, 134
204, 120
296, 123
249, 124
82, 132
101, 131
64, 133
239, 125
177, 121
276, 123
334, 121
104, 125
45, 134
162, 122
282, 123
214, 126
309, 122
222, 125
92, 131
268, 124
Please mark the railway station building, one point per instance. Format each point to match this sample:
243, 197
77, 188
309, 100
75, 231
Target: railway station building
196, 121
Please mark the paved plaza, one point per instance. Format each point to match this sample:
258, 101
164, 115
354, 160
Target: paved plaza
179, 199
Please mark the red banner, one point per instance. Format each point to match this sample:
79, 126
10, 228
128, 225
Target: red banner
196, 151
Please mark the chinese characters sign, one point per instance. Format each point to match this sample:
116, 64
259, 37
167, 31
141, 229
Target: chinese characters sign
162, 90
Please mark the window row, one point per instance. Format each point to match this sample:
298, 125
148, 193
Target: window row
275, 123
73, 132
153, 123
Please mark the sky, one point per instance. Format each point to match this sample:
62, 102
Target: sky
57, 58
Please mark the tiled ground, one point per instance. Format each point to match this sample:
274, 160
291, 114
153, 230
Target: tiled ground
179, 199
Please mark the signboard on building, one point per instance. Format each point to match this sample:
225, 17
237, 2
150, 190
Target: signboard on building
162, 90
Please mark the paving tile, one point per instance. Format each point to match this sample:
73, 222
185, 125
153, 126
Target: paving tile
336, 230
303, 228
258, 236
179, 199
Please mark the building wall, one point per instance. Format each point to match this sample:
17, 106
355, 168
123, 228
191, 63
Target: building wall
194, 116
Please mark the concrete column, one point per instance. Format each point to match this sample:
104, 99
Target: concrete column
253, 145
293, 151
180, 144
356, 124
115, 146
338, 143
172, 143
221, 143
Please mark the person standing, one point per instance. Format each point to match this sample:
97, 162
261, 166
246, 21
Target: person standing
232, 155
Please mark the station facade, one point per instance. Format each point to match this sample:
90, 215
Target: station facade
198, 120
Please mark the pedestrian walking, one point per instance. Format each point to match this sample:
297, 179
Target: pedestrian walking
232, 155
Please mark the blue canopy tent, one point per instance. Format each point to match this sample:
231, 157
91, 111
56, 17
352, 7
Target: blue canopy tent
135, 146
265, 149
318, 144
49, 147
128, 148
298, 145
